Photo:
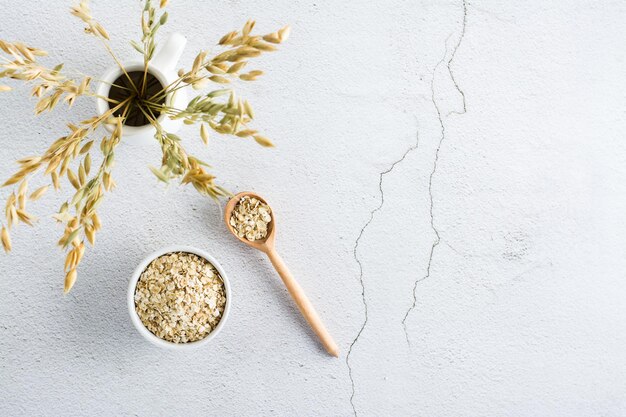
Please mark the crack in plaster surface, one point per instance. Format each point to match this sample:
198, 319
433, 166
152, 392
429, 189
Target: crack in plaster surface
356, 257
436, 160
449, 65
382, 202
432, 218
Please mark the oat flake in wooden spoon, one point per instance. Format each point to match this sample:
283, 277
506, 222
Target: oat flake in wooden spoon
266, 245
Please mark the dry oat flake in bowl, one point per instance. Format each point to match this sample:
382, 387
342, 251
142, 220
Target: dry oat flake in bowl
180, 297
250, 218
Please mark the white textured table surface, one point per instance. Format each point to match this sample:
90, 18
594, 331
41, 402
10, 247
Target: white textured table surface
449, 183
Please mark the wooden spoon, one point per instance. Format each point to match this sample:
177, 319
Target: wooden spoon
297, 293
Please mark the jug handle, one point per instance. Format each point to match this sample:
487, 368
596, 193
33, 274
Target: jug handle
168, 55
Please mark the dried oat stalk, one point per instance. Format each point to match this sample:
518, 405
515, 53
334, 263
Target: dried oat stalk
69, 158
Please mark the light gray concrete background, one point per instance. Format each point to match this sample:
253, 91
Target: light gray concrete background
449, 182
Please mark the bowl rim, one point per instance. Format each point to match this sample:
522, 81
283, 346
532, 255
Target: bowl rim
143, 330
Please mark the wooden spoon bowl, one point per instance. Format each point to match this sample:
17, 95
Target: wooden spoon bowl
264, 245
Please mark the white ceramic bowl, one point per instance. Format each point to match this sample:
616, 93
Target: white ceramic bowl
147, 334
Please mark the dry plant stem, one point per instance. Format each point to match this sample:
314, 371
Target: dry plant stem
124, 113
145, 76
152, 118
97, 80
119, 64
167, 90
108, 100
110, 112
155, 106
175, 85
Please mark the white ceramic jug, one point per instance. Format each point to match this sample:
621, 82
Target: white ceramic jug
163, 68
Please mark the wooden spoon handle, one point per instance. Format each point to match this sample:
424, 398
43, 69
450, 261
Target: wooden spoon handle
303, 303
